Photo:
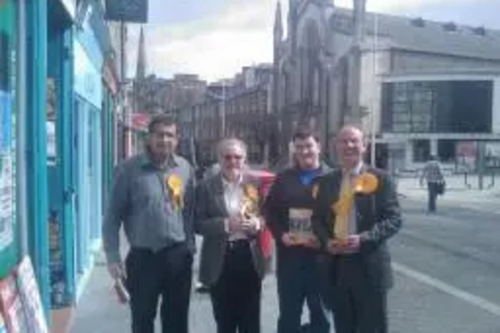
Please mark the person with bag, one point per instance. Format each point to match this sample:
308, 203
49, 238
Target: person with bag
232, 265
288, 211
433, 175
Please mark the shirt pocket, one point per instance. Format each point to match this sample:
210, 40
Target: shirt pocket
146, 191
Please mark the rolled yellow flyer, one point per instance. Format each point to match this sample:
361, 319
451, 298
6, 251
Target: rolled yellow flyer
250, 205
366, 183
342, 210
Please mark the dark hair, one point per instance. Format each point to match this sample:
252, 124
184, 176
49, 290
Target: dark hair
303, 133
161, 119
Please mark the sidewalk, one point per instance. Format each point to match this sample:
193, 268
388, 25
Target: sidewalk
457, 191
99, 311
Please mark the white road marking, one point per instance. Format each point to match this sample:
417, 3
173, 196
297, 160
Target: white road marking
448, 289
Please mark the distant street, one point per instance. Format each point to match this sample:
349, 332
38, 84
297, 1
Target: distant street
447, 274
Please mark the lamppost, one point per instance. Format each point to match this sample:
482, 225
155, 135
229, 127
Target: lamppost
373, 130
222, 103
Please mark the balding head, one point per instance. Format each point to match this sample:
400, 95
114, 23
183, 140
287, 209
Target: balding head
350, 146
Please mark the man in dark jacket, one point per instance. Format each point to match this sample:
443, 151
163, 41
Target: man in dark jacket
288, 211
356, 212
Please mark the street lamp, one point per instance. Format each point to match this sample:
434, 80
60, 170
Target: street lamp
222, 100
374, 92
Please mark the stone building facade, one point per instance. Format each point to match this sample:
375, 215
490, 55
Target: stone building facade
238, 107
338, 66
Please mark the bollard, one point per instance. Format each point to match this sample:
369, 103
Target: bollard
466, 180
492, 181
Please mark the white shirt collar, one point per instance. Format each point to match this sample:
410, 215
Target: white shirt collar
355, 171
227, 183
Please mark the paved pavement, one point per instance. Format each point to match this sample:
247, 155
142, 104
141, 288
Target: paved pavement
447, 268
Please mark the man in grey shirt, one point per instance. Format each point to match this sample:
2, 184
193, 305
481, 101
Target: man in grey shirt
152, 196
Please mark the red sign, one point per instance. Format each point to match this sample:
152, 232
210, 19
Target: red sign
140, 121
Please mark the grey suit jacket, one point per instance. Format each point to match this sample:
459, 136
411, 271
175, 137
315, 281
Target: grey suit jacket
210, 213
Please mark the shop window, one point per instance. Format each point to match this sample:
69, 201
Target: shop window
51, 121
4, 61
447, 150
421, 150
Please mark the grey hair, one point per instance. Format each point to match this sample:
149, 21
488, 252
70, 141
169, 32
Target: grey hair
224, 144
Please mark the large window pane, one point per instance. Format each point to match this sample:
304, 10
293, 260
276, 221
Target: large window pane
438, 106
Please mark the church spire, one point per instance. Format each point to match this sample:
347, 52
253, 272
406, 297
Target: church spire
278, 23
141, 57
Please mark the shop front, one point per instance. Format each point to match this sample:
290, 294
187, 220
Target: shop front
8, 192
87, 152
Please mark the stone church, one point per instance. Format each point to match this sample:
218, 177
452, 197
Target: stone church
316, 67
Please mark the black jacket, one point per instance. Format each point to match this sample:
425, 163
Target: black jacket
287, 192
378, 217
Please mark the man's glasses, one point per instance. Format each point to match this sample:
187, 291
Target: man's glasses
233, 157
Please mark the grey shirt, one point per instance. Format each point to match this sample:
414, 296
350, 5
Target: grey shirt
141, 200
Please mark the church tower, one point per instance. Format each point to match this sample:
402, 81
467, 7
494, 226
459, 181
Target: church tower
293, 11
141, 58
278, 31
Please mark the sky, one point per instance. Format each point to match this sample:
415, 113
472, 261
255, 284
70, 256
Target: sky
215, 38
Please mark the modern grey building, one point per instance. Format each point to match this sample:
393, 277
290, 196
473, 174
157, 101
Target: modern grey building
419, 87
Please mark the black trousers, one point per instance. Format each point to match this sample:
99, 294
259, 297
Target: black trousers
432, 189
236, 295
166, 273
300, 280
359, 307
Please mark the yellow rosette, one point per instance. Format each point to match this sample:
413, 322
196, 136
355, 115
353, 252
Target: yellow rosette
366, 183
174, 184
251, 201
251, 192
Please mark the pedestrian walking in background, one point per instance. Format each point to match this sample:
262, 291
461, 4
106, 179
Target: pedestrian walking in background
300, 261
356, 212
432, 174
232, 263
152, 197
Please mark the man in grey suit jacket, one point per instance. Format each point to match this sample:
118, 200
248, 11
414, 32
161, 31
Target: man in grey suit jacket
232, 264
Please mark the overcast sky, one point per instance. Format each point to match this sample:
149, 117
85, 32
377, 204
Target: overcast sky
215, 38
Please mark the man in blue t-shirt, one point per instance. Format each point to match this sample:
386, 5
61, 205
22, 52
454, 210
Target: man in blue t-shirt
288, 211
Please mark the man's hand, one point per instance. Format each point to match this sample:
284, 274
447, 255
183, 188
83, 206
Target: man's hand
289, 239
309, 240
116, 270
251, 225
235, 224
348, 246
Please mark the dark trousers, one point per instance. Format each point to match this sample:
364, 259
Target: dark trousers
432, 189
300, 280
359, 307
166, 273
236, 295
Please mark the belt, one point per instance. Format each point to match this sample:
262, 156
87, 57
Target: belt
237, 243
169, 247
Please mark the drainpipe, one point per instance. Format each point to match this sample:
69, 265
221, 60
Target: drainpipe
21, 147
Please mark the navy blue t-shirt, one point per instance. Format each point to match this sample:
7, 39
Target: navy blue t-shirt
306, 177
